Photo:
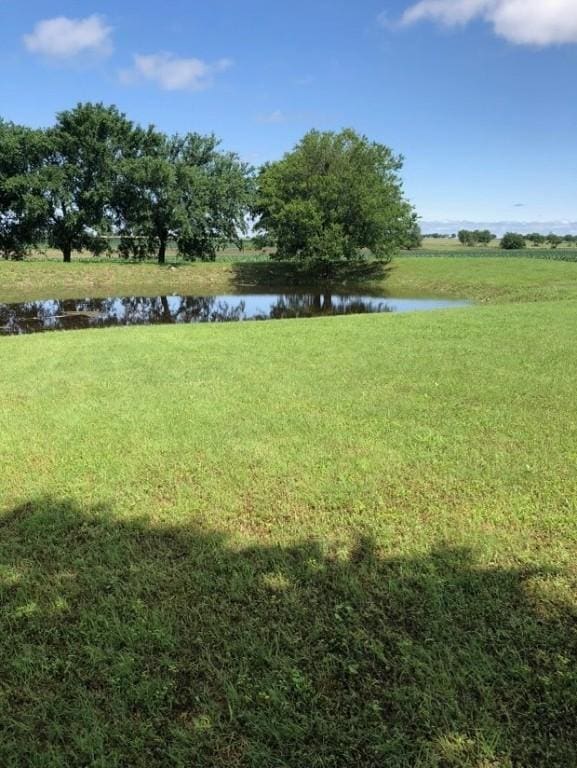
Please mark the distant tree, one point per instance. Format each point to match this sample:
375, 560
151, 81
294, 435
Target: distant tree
484, 236
512, 241
181, 188
536, 239
336, 196
554, 240
570, 239
472, 237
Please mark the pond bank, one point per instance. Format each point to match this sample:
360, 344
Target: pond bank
481, 280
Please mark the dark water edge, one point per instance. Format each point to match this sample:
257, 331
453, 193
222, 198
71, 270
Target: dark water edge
75, 314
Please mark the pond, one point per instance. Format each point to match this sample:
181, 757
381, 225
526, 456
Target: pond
73, 314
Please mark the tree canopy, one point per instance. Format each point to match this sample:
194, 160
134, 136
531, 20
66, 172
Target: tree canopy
181, 188
336, 196
95, 174
512, 242
21, 212
472, 237
76, 177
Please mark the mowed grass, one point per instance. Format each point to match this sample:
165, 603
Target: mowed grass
480, 279
335, 542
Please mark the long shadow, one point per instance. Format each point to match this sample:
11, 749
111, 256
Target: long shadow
268, 276
128, 644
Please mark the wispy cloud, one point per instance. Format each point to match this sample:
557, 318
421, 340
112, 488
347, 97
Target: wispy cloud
384, 19
273, 118
307, 117
172, 73
523, 22
64, 38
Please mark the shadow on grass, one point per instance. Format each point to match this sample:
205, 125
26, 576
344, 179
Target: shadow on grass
364, 276
125, 644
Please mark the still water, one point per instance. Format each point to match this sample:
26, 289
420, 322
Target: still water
73, 314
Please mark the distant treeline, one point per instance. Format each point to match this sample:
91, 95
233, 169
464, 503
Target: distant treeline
514, 241
472, 237
510, 241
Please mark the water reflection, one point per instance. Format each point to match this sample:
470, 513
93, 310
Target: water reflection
70, 314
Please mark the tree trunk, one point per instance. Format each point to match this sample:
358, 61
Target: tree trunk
165, 308
67, 253
162, 251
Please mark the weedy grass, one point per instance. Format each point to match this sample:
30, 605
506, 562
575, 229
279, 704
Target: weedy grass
334, 542
483, 279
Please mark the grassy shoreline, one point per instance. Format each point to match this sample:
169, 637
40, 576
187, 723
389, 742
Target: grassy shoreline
487, 279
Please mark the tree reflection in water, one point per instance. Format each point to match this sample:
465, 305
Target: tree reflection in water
70, 314
317, 304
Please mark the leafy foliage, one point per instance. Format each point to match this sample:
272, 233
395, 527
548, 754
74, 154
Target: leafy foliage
61, 179
336, 196
76, 179
180, 188
536, 239
475, 237
554, 240
21, 212
513, 242
95, 174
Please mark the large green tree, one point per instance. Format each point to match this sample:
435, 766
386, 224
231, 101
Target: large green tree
56, 185
76, 180
21, 212
181, 189
335, 197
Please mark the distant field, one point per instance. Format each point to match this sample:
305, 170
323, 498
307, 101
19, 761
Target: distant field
232, 254
448, 244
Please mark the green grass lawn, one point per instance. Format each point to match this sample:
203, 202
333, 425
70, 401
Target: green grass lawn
482, 279
319, 543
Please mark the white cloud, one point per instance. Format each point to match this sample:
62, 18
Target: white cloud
524, 22
64, 38
172, 73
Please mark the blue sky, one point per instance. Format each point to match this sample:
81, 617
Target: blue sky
479, 95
